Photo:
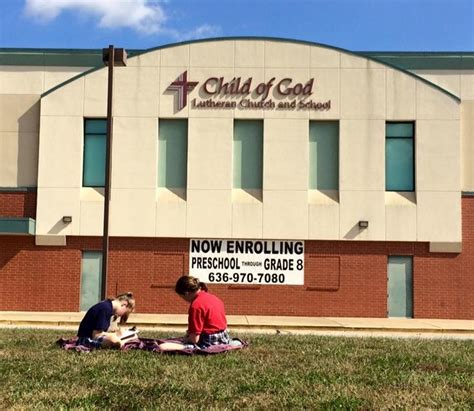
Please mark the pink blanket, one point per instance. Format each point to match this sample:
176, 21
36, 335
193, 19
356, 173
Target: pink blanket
153, 345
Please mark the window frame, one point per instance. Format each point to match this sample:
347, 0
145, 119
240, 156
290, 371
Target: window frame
311, 171
162, 120
413, 124
261, 124
84, 149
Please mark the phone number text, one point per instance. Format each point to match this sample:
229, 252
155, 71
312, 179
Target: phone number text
247, 278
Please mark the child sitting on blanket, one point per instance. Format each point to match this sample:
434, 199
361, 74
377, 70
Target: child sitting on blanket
207, 323
94, 330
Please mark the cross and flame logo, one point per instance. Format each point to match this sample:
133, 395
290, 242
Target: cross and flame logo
183, 87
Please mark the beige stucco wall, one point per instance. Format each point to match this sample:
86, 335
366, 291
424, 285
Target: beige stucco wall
363, 95
19, 127
460, 83
467, 145
20, 93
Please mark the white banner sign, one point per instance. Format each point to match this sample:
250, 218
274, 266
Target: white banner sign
247, 261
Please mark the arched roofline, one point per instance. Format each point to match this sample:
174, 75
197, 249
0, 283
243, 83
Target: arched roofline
257, 38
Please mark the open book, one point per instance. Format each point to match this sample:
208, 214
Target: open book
130, 333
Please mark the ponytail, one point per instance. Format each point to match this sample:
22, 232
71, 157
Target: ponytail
188, 284
128, 297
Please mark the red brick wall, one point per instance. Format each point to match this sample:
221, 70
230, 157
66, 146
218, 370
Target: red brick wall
444, 283
342, 278
149, 267
18, 204
48, 278
38, 278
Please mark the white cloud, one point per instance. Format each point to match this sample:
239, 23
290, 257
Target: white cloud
200, 32
144, 16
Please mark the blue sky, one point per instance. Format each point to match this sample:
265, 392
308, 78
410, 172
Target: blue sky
372, 25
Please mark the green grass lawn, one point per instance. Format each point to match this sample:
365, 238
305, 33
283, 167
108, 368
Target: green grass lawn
275, 372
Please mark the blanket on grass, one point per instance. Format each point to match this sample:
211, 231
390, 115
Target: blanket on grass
153, 345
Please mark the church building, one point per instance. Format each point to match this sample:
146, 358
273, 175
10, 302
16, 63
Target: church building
295, 178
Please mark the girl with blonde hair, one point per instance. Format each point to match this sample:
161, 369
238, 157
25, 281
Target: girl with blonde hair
94, 330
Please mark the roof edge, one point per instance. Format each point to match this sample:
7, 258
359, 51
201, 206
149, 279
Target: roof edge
278, 39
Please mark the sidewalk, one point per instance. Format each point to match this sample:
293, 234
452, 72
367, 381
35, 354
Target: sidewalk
263, 324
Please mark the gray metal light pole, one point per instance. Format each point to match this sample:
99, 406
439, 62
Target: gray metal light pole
111, 57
